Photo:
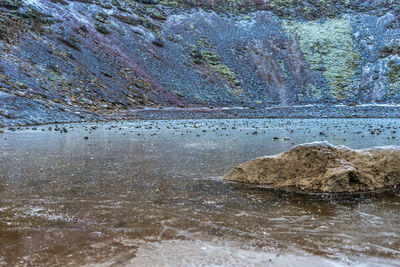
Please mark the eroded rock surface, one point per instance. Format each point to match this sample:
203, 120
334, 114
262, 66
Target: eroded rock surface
320, 166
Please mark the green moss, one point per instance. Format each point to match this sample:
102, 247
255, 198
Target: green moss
328, 47
102, 28
116, 3
281, 4
291, 8
225, 71
175, 38
149, 24
393, 77
234, 91
204, 58
390, 49
283, 68
313, 10
214, 62
301, 96
211, 57
170, 3
192, 26
315, 92
180, 94
101, 17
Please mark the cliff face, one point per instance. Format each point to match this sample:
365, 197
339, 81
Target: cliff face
75, 60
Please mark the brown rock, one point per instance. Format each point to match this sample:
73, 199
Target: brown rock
158, 42
320, 166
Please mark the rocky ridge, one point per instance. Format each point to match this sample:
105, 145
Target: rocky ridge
89, 59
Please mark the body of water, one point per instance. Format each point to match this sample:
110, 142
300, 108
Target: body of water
149, 193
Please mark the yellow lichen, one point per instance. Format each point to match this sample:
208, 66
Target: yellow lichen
328, 47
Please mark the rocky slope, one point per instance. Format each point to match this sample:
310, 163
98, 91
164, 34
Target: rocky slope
88, 59
320, 166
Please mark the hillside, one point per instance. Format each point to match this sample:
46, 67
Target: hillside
85, 59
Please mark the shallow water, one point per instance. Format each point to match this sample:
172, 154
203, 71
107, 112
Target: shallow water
150, 193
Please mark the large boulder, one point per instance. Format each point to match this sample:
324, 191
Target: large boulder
320, 166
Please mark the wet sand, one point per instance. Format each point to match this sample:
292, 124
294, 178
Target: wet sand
150, 193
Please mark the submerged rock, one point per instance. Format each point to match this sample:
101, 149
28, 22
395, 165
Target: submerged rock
320, 166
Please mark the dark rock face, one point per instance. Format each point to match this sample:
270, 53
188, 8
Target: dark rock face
115, 55
320, 166
19, 110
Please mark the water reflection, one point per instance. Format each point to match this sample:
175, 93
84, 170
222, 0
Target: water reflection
66, 199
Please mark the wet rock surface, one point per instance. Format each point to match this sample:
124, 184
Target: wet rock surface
320, 166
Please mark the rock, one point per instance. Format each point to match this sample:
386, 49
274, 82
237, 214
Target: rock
148, 2
10, 5
106, 74
128, 19
102, 29
195, 53
21, 85
320, 166
158, 42
19, 93
62, 2
71, 41
101, 17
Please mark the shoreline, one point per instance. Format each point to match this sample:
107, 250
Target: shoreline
171, 113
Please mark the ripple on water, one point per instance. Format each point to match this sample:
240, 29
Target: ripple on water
123, 198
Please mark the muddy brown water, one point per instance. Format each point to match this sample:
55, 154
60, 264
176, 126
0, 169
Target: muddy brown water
149, 193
